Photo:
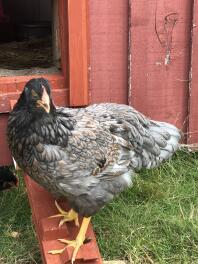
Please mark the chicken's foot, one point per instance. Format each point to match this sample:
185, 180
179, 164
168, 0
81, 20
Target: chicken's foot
77, 243
67, 216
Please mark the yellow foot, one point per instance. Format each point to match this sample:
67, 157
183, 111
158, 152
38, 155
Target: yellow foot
67, 216
77, 243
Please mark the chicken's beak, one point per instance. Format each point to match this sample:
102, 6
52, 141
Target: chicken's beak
44, 102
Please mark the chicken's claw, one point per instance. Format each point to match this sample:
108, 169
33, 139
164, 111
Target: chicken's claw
67, 216
77, 243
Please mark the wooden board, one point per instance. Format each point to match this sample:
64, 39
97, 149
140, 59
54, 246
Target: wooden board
193, 106
160, 55
108, 51
78, 52
42, 206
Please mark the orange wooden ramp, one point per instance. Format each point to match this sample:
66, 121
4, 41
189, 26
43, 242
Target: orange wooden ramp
42, 205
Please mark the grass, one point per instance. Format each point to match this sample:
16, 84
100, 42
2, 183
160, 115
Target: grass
18, 241
156, 221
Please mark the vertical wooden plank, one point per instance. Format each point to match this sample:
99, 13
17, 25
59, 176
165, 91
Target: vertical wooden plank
78, 52
193, 108
108, 50
63, 38
55, 35
160, 51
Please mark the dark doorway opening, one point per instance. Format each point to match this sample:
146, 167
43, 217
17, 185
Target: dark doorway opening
27, 37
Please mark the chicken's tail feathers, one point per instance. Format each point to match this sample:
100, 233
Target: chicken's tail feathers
160, 142
172, 139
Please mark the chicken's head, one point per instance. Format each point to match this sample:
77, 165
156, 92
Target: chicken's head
36, 97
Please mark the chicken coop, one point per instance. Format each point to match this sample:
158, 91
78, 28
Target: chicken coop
141, 53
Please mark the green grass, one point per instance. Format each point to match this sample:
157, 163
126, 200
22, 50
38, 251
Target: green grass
156, 221
15, 216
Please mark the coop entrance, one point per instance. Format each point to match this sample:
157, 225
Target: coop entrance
28, 44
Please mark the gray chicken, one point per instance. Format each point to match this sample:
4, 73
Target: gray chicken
85, 155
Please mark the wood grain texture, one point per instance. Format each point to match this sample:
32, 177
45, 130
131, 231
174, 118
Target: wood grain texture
78, 52
160, 50
193, 107
108, 51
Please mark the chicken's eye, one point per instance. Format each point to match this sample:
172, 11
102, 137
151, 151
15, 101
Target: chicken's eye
34, 94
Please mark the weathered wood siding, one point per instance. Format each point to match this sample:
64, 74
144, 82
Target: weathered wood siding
160, 49
108, 23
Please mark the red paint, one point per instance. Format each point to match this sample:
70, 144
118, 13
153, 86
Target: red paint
193, 108
78, 52
108, 51
158, 90
74, 49
42, 205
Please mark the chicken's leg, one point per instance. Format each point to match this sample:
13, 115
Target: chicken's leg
67, 216
77, 243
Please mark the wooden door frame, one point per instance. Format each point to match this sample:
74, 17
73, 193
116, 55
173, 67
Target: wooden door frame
78, 56
73, 78
74, 49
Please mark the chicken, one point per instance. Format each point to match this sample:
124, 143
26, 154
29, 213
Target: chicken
86, 155
7, 179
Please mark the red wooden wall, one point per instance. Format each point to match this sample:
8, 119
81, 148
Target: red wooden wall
108, 25
160, 52
149, 65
